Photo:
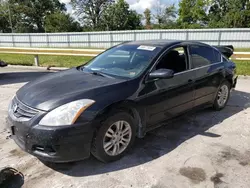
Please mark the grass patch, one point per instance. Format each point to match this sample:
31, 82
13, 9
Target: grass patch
243, 67
242, 49
58, 61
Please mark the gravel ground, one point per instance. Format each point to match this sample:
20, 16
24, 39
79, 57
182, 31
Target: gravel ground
203, 149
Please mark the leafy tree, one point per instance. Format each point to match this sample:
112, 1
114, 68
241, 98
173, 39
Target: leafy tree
36, 11
134, 20
147, 17
159, 12
4, 24
229, 13
61, 22
216, 12
9, 19
170, 16
90, 11
165, 15
192, 13
118, 17
29, 15
4, 18
170, 12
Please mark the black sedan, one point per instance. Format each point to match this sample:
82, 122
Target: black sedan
101, 107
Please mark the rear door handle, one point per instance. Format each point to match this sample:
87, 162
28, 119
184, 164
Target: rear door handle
190, 80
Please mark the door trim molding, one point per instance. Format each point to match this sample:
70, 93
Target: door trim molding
198, 68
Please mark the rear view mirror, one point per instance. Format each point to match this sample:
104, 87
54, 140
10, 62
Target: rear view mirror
162, 74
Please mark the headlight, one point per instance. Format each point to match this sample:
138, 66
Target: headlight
10, 105
66, 114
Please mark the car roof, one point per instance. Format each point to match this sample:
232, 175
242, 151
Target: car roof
163, 42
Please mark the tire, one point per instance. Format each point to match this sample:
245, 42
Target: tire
221, 98
108, 135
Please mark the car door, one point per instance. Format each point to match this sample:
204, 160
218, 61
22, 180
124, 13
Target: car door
167, 98
207, 64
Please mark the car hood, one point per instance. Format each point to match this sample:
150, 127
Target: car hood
55, 89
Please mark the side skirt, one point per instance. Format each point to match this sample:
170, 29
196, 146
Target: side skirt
188, 112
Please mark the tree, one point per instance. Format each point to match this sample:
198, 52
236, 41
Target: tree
90, 11
159, 12
229, 13
29, 15
170, 16
165, 15
36, 11
192, 13
4, 18
147, 17
61, 22
8, 16
118, 17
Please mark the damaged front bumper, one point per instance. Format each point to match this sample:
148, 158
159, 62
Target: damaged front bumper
54, 144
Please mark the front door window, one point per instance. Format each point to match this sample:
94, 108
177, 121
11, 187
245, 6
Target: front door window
175, 59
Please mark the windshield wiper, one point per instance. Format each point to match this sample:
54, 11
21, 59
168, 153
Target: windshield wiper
98, 74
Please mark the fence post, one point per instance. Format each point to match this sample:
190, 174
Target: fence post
111, 39
47, 39
135, 36
13, 40
68, 39
219, 39
160, 34
89, 42
187, 35
30, 41
36, 60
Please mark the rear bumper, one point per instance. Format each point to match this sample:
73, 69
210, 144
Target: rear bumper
53, 144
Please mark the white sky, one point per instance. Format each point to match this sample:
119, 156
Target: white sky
138, 5
141, 5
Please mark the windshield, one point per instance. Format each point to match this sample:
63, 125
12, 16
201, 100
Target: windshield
125, 61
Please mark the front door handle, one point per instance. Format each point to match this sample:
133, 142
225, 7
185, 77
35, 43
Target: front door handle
190, 80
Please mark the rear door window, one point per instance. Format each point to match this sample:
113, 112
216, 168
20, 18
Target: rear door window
224, 59
217, 55
203, 56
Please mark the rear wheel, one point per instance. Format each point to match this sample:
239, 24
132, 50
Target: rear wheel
114, 138
222, 96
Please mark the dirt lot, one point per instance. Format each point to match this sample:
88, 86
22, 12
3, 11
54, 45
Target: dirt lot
206, 149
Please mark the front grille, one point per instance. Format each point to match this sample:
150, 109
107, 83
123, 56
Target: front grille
21, 110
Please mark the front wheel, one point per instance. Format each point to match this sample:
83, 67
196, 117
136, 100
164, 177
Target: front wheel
222, 96
114, 138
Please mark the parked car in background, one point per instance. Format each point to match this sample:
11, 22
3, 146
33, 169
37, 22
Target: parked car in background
123, 93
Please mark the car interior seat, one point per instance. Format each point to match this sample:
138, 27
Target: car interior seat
173, 61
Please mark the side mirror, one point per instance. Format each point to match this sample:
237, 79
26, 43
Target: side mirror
162, 74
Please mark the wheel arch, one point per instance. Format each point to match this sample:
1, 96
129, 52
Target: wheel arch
138, 113
229, 78
230, 73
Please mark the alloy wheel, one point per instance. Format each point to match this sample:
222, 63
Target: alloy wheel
117, 138
222, 95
